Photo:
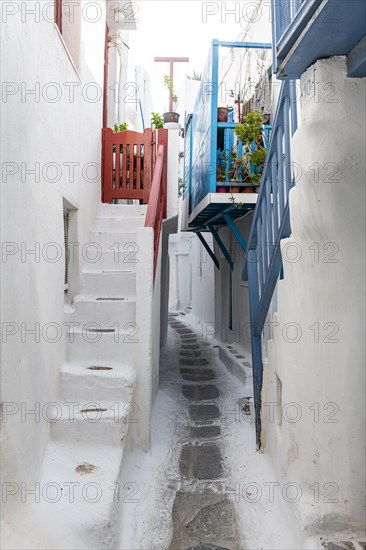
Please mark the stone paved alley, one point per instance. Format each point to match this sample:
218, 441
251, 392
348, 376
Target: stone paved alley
203, 479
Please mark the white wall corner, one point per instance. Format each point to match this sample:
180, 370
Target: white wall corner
173, 173
144, 296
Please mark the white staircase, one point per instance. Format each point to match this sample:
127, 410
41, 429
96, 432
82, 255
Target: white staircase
96, 411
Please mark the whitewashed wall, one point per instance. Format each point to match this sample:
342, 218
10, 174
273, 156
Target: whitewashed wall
316, 360
232, 321
37, 131
191, 276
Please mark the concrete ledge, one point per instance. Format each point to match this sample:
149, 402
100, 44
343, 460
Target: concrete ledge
236, 365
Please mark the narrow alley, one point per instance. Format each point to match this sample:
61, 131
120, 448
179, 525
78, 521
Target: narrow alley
183, 240
203, 486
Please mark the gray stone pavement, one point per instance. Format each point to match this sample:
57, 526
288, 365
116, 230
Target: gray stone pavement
202, 519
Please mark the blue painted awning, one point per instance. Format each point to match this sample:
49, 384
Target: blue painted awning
308, 30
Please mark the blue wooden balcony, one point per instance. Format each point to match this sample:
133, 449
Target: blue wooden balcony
307, 30
215, 185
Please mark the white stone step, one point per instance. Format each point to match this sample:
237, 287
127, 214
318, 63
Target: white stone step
90, 344
105, 311
118, 224
108, 239
110, 283
123, 256
96, 381
122, 210
103, 422
80, 507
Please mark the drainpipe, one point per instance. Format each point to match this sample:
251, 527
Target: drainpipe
122, 49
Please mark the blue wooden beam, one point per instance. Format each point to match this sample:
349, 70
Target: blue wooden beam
208, 249
220, 214
221, 245
311, 34
273, 271
356, 61
235, 231
258, 45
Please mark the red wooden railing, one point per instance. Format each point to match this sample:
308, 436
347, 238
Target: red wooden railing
156, 210
128, 161
134, 166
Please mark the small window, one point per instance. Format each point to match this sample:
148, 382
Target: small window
67, 248
58, 14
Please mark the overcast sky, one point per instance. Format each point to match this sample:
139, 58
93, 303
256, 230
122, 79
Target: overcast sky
185, 29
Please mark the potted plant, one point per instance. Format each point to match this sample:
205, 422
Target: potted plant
220, 177
157, 121
120, 127
250, 134
171, 116
257, 159
222, 114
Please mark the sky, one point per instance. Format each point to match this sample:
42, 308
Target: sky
186, 29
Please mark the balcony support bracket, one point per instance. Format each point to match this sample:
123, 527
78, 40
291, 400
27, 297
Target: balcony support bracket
208, 249
221, 245
236, 232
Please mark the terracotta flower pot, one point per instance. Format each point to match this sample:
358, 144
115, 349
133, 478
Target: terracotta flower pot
222, 114
248, 189
221, 188
235, 189
171, 117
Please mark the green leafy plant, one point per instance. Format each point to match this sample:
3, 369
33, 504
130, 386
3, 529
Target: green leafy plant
195, 76
258, 156
169, 84
182, 186
157, 120
121, 127
250, 133
250, 129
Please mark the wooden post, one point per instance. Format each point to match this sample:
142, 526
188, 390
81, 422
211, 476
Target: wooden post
171, 61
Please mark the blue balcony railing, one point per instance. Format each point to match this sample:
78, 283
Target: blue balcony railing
271, 223
225, 163
202, 128
307, 30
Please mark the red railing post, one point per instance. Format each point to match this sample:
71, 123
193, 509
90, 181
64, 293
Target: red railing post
148, 168
163, 140
107, 160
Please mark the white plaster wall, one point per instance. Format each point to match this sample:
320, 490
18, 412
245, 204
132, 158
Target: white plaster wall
143, 90
148, 322
202, 280
239, 333
184, 271
173, 274
39, 130
172, 172
191, 276
322, 369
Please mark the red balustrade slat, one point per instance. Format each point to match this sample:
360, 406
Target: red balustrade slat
147, 165
134, 166
117, 165
138, 168
157, 206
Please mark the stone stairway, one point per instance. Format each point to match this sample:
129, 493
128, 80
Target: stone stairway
96, 412
203, 519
